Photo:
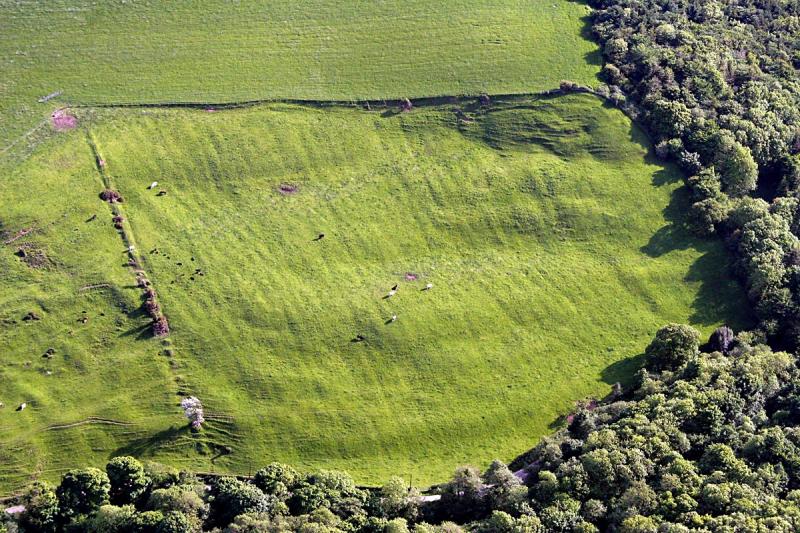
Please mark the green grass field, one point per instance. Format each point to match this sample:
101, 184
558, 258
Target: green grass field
219, 51
99, 368
553, 239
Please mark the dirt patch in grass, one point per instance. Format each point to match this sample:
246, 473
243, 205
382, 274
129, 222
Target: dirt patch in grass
32, 255
63, 121
287, 189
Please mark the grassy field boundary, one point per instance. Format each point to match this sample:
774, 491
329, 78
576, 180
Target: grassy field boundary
389, 105
136, 260
427, 101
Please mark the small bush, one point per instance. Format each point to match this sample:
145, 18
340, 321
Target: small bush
721, 340
160, 327
567, 86
153, 309
673, 345
111, 196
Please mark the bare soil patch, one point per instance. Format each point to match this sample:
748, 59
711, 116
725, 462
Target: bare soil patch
288, 188
32, 255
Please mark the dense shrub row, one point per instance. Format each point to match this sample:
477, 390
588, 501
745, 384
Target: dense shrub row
703, 442
131, 497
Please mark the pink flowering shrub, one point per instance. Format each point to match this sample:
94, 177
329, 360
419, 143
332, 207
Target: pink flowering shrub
111, 196
153, 309
160, 327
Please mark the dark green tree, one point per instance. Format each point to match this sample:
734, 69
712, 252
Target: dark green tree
673, 346
231, 497
174, 522
82, 492
128, 480
276, 478
41, 508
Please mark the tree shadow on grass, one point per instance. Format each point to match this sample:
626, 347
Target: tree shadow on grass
148, 446
557, 423
619, 372
595, 57
720, 298
142, 332
622, 371
676, 234
664, 175
137, 312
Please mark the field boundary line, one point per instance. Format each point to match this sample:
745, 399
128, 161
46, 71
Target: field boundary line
152, 306
25, 136
386, 103
422, 101
381, 102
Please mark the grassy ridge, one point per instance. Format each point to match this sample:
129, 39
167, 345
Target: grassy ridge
100, 52
553, 242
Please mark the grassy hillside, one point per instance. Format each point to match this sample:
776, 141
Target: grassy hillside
73, 277
553, 241
216, 51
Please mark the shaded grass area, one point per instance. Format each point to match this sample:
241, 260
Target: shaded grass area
553, 241
218, 51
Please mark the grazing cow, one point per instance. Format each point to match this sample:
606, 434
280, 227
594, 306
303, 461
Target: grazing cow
22, 406
320, 237
153, 185
428, 287
392, 292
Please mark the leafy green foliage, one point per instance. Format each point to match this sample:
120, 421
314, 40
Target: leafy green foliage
82, 492
185, 498
110, 519
397, 500
128, 480
41, 508
276, 479
231, 497
737, 168
673, 346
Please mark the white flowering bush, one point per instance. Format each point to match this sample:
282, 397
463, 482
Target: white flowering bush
193, 410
